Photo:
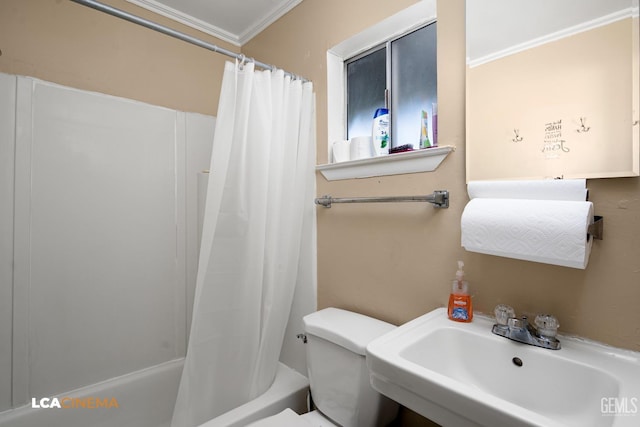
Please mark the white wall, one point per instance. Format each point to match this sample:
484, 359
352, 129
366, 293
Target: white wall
105, 235
7, 127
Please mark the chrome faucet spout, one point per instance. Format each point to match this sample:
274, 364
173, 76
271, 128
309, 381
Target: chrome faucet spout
519, 329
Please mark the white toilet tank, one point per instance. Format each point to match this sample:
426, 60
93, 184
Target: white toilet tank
338, 374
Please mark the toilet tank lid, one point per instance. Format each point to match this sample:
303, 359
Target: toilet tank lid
350, 330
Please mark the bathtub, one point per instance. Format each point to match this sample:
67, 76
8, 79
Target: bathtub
145, 399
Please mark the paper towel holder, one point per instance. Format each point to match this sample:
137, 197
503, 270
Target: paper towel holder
596, 230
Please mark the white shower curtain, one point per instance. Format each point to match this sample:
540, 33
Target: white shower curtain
258, 213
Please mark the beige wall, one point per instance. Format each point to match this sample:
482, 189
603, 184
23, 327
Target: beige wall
531, 88
70, 44
397, 261
394, 262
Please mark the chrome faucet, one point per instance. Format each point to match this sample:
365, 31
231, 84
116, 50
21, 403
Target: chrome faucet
519, 329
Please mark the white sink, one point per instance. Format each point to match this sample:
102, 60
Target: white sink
461, 374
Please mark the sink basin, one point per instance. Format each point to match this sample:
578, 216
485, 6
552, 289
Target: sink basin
460, 374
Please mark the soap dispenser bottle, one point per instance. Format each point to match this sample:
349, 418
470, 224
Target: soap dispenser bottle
460, 307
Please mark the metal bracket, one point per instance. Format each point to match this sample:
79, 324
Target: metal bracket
596, 230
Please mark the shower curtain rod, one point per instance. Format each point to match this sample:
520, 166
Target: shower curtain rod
177, 34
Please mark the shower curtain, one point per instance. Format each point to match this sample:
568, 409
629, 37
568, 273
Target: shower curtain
259, 211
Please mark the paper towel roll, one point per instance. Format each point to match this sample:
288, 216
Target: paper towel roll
547, 231
551, 189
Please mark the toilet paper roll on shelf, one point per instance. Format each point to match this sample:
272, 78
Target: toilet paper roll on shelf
557, 232
361, 147
341, 151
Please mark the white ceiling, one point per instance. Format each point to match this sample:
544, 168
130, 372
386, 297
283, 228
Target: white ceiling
495, 26
234, 21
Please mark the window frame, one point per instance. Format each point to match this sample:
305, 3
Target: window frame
403, 22
387, 46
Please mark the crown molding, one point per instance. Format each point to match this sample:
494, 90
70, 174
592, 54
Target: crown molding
187, 20
273, 15
205, 27
585, 26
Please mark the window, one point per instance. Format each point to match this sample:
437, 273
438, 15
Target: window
401, 75
401, 33
366, 85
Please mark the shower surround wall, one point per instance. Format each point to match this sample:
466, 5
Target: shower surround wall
72, 45
104, 232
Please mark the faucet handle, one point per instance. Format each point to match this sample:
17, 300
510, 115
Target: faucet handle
503, 312
547, 325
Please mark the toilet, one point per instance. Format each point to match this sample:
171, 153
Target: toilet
338, 375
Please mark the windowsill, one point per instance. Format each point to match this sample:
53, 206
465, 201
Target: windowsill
425, 160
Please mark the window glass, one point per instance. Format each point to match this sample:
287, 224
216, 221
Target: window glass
409, 69
366, 84
413, 85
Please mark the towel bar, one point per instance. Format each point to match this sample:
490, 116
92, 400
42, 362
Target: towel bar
439, 198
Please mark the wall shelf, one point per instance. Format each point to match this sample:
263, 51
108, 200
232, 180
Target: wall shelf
425, 160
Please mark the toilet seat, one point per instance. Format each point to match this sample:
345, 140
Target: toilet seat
288, 418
